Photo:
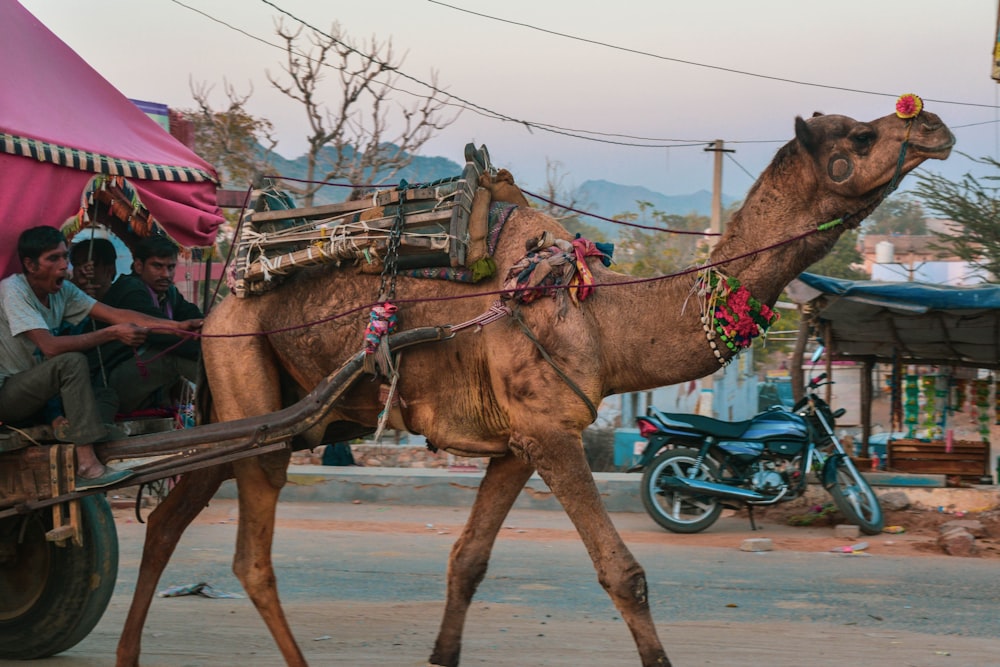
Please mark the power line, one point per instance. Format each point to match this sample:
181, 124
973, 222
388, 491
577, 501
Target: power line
529, 125
612, 138
730, 156
596, 136
719, 68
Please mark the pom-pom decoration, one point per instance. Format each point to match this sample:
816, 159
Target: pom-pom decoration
909, 106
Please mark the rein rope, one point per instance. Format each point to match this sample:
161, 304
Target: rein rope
498, 309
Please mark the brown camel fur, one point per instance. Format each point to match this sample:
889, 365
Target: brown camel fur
490, 393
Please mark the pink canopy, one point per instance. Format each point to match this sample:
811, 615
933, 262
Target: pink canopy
61, 123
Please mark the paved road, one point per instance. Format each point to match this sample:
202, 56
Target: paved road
334, 558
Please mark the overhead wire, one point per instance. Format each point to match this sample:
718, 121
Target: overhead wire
613, 138
692, 63
529, 125
586, 135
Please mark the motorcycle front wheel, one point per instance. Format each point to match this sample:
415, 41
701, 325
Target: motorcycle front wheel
677, 510
854, 497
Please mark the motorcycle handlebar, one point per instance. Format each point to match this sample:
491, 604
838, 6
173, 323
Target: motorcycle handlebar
816, 381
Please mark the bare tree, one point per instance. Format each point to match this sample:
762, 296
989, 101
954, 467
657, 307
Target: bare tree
363, 137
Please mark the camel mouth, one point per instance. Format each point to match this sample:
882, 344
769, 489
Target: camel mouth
943, 148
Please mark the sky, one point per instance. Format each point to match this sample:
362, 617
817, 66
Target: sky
667, 71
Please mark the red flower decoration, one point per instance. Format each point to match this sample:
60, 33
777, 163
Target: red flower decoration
909, 106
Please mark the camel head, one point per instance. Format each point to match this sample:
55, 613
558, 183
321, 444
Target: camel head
856, 164
823, 182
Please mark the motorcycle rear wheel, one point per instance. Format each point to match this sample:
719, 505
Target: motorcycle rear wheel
854, 497
676, 510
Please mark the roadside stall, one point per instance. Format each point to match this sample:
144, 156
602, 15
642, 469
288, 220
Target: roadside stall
939, 348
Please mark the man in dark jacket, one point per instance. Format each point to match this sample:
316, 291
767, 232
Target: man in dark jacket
144, 378
38, 362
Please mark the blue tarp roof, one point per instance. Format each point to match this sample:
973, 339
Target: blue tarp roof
919, 323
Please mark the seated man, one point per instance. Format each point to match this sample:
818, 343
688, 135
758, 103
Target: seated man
36, 365
93, 263
141, 380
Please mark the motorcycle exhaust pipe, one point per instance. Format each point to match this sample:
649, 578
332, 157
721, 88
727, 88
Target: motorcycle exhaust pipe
710, 488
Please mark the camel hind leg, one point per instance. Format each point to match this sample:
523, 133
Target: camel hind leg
560, 461
163, 530
504, 479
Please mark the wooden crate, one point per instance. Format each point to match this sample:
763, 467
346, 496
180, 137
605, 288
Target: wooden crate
967, 459
26, 475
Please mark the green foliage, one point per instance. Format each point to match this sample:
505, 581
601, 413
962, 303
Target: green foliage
973, 204
780, 339
237, 143
575, 226
643, 253
843, 260
899, 214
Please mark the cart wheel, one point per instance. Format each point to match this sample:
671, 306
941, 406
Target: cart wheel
51, 597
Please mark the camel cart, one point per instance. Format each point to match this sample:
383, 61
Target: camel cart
58, 546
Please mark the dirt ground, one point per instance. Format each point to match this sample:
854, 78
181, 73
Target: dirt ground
387, 632
919, 537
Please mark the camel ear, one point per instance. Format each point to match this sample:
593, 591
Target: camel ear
805, 135
817, 113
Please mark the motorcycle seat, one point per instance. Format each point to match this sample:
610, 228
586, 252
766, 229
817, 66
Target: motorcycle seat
718, 428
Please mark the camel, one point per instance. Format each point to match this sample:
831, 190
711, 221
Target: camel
492, 392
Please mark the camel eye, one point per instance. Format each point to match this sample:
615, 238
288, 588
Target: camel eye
863, 140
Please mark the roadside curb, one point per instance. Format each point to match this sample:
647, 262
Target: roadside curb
619, 490
432, 486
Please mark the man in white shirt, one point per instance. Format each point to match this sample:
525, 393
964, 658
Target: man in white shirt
36, 365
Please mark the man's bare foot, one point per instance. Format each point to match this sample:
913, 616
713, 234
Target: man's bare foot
90, 472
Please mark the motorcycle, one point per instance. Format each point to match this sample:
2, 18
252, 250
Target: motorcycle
695, 466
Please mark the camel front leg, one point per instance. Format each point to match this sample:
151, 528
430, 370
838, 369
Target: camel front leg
561, 463
504, 479
259, 481
164, 529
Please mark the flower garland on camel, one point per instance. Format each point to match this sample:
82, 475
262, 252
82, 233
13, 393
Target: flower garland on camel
730, 315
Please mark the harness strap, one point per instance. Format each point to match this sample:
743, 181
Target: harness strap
496, 310
545, 355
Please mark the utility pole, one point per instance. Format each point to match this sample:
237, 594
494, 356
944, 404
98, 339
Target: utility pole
717, 147
706, 401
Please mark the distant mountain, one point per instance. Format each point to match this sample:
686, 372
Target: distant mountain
610, 199
420, 170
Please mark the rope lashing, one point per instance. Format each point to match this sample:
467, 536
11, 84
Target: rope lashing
496, 310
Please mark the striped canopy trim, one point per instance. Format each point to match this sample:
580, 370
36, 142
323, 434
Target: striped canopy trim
97, 163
